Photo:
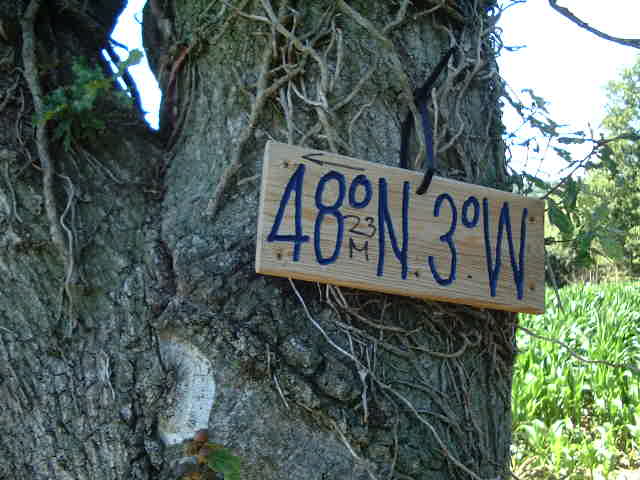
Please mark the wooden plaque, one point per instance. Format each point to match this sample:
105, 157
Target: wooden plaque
334, 219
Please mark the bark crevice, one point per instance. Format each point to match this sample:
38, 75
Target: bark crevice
175, 330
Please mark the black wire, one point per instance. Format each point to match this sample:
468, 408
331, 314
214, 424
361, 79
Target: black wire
421, 97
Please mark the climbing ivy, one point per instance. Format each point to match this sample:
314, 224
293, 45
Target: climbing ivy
72, 108
220, 459
211, 458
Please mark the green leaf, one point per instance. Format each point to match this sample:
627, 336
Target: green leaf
570, 193
599, 213
516, 179
223, 461
538, 182
134, 58
570, 140
559, 218
562, 153
539, 102
583, 247
611, 246
62, 129
606, 157
548, 128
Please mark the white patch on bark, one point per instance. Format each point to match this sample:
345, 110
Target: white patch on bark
193, 393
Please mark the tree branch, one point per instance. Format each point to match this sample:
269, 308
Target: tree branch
597, 145
565, 12
126, 78
56, 222
31, 75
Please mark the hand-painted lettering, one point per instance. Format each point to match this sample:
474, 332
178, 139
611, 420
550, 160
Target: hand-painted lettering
493, 267
384, 222
446, 238
360, 229
470, 202
369, 230
353, 246
365, 183
293, 186
334, 210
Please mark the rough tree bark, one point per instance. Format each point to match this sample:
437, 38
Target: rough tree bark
130, 312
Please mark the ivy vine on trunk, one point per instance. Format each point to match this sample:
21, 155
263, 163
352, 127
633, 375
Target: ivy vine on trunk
150, 236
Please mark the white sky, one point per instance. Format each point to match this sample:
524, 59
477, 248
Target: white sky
562, 63
128, 32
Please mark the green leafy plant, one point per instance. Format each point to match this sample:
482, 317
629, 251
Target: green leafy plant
595, 218
212, 457
71, 108
573, 419
593, 207
221, 460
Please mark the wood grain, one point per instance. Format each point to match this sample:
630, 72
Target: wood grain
474, 234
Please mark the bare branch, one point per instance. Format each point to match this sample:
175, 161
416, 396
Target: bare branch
565, 12
581, 163
387, 389
31, 75
127, 78
264, 92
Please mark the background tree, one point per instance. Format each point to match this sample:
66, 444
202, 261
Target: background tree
131, 315
618, 184
602, 226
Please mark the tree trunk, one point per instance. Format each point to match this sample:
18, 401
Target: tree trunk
132, 315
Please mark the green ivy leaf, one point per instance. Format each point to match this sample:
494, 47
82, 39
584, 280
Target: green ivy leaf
223, 461
62, 129
559, 218
134, 58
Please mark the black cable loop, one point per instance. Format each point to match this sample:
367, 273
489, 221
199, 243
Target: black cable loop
421, 97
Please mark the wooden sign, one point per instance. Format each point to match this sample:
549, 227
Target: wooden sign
334, 219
